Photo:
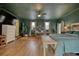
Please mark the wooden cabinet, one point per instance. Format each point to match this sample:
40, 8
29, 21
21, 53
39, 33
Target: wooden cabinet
2, 41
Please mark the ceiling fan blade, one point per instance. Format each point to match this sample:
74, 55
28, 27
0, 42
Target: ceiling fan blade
43, 13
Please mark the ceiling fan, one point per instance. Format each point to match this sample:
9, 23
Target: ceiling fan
39, 9
40, 13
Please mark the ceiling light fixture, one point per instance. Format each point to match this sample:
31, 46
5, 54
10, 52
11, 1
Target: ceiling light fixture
38, 6
39, 15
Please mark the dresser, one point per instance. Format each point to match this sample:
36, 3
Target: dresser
9, 32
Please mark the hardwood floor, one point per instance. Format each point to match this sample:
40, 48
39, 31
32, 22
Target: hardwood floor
25, 46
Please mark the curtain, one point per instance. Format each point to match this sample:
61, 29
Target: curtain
53, 26
24, 26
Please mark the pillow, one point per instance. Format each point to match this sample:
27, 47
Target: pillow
69, 32
76, 32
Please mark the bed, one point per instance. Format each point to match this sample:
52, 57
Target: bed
67, 43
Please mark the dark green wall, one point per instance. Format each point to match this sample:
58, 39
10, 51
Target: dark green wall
53, 25
24, 26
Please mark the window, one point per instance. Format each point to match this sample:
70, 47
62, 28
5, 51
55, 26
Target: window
47, 25
2, 18
32, 25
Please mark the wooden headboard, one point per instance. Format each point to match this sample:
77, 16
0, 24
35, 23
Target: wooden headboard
75, 26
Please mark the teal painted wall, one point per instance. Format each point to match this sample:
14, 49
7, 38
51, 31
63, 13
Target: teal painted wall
71, 18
